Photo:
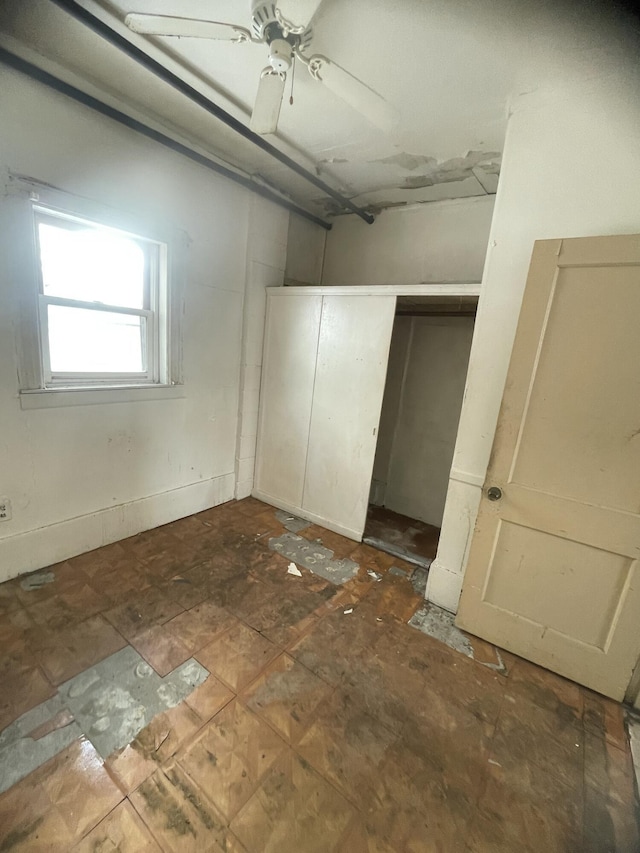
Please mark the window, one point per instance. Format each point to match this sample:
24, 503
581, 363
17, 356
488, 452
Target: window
97, 294
102, 303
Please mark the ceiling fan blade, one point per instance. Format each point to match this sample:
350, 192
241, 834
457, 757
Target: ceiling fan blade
299, 12
266, 110
354, 92
168, 25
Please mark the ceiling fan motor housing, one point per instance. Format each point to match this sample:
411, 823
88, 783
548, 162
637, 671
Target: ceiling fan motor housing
280, 55
265, 26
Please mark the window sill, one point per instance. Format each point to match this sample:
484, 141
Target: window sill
54, 397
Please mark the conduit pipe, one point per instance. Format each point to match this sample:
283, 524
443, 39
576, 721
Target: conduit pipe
61, 86
156, 68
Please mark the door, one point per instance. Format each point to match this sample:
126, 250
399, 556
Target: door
323, 377
553, 567
292, 327
351, 370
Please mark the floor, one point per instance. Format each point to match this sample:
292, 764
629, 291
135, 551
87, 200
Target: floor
327, 722
401, 536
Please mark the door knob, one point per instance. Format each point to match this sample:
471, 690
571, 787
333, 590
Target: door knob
494, 493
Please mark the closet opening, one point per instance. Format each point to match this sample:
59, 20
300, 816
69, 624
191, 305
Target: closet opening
426, 375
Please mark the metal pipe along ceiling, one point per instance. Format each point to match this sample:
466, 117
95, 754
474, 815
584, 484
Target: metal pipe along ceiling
53, 82
156, 68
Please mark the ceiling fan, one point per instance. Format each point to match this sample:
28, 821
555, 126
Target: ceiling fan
286, 42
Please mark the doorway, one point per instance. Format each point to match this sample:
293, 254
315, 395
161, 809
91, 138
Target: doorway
424, 388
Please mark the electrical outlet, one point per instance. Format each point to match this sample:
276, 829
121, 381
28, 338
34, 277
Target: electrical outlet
5, 509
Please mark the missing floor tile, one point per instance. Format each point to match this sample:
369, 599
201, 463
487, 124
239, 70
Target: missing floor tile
37, 581
21, 751
315, 557
110, 703
118, 697
291, 522
439, 624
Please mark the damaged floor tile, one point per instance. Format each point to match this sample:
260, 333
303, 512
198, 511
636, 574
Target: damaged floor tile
34, 738
37, 581
110, 703
118, 697
439, 624
315, 557
291, 522
419, 580
400, 573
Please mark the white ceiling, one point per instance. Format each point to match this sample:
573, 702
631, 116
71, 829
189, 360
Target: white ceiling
448, 66
443, 69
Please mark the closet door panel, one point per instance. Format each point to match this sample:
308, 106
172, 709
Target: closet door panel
353, 350
288, 369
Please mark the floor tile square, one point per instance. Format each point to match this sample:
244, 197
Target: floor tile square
66, 653
160, 648
199, 626
180, 816
79, 787
231, 756
122, 830
148, 608
22, 691
293, 809
286, 695
209, 698
237, 656
348, 747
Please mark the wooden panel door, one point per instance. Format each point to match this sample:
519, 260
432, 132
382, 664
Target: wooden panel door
353, 350
553, 568
292, 327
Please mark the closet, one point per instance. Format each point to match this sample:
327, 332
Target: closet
324, 371
427, 368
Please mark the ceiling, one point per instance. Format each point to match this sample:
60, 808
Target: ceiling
448, 66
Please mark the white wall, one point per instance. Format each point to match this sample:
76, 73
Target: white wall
305, 251
426, 422
571, 168
81, 476
266, 257
444, 241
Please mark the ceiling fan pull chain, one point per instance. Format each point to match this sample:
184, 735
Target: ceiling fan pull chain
293, 74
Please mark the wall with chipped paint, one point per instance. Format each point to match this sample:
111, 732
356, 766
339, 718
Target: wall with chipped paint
417, 433
80, 476
444, 241
571, 168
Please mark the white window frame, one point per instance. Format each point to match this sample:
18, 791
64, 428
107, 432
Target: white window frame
155, 316
24, 199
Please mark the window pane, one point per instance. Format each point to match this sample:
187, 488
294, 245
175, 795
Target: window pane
91, 264
85, 341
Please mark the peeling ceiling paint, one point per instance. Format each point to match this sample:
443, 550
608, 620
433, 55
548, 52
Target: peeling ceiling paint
448, 68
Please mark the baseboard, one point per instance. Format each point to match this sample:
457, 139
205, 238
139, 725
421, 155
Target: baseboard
45, 546
356, 535
443, 587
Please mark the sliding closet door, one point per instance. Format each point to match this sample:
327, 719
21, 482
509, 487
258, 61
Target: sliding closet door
353, 350
286, 394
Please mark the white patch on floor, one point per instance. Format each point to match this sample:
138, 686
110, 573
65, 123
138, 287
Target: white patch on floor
439, 624
110, 703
